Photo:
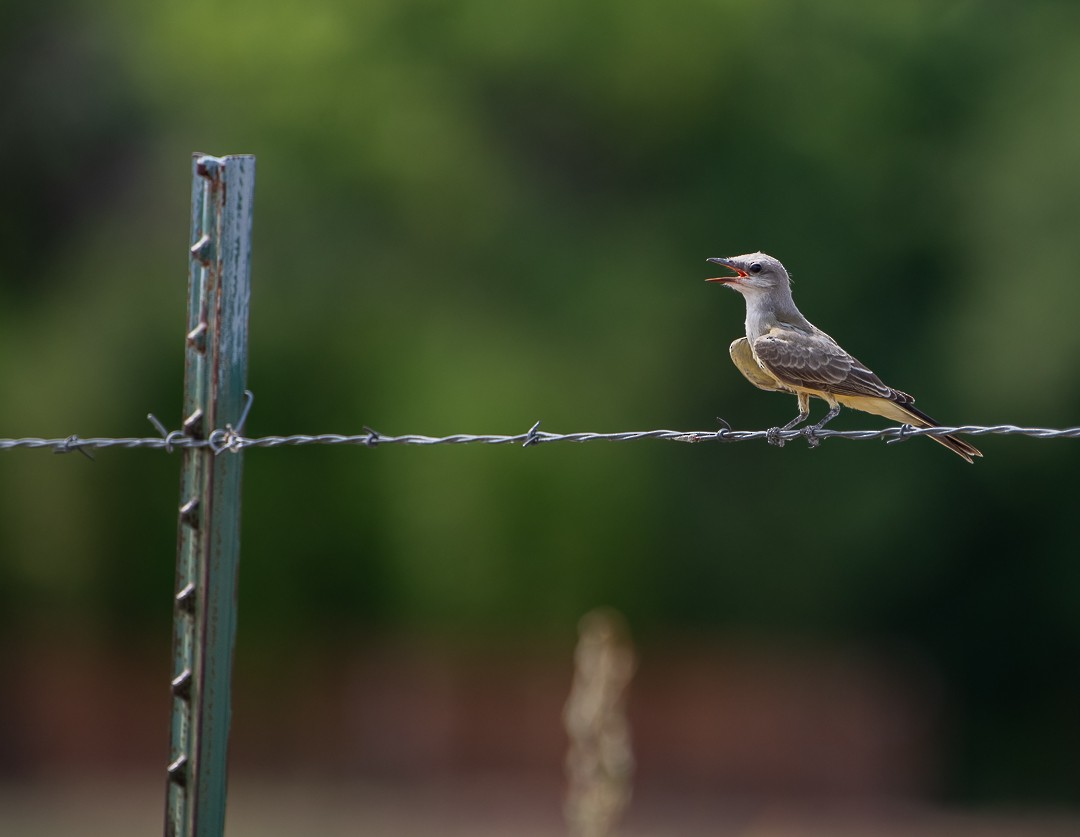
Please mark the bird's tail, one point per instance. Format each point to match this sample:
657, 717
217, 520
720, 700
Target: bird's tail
917, 418
900, 407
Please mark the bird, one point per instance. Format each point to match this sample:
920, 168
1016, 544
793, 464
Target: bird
784, 352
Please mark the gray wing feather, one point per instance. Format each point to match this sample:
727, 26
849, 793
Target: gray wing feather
813, 360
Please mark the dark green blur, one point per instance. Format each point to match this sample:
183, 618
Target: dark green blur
472, 215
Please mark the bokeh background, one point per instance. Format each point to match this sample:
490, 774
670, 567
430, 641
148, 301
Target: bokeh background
472, 215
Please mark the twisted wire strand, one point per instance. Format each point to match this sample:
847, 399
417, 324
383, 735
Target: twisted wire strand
227, 439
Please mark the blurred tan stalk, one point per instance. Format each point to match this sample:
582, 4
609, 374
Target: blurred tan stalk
600, 761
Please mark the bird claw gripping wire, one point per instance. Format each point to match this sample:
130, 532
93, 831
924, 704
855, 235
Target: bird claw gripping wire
773, 437
811, 436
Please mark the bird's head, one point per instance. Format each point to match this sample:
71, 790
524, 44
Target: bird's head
752, 273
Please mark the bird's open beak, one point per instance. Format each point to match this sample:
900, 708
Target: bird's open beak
727, 280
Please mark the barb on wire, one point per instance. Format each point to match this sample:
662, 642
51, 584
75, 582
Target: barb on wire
249, 399
533, 436
903, 433
73, 443
228, 439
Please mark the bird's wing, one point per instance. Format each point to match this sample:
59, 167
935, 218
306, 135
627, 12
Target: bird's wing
813, 361
744, 361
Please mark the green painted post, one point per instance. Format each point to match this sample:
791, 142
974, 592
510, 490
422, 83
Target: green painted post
208, 543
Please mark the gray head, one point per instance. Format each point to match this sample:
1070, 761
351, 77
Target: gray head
754, 273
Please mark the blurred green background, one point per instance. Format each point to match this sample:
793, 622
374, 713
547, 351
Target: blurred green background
472, 215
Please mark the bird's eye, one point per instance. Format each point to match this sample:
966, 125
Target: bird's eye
755, 268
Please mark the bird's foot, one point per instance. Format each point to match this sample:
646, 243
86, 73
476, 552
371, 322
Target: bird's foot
811, 436
773, 437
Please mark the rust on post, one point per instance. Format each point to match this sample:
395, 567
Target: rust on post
208, 540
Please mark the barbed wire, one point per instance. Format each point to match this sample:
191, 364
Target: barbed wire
228, 439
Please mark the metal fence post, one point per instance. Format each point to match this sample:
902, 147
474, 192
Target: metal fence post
208, 543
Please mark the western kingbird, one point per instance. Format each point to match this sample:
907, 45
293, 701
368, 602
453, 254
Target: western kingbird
785, 352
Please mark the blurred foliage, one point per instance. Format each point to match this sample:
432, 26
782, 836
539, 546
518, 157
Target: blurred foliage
472, 215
